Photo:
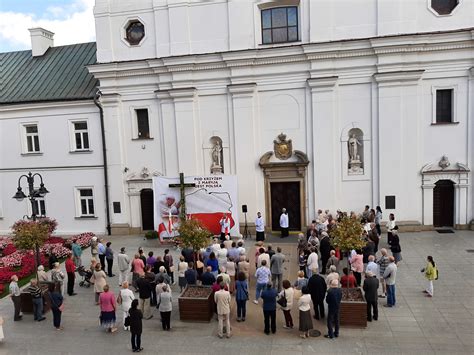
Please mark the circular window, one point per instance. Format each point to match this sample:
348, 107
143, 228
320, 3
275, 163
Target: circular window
134, 32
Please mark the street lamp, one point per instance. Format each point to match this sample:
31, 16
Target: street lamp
33, 193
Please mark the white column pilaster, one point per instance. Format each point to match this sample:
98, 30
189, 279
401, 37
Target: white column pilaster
116, 156
246, 159
169, 139
324, 164
187, 133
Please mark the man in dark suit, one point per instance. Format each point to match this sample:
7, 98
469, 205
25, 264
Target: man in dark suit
208, 277
317, 289
325, 250
333, 299
371, 285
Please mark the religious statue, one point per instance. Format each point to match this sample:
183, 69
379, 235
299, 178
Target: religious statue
353, 143
216, 156
355, 161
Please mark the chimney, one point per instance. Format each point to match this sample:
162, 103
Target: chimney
41, 40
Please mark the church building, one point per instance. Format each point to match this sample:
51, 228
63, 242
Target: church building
311, 104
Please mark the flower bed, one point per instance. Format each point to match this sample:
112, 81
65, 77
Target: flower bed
22, 262
353, 310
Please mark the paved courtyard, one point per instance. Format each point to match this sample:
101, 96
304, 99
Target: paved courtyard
441, 325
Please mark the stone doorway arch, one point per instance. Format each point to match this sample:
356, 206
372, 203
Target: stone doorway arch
280, 175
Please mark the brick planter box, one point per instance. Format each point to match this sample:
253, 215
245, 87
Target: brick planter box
196, 304
353, 310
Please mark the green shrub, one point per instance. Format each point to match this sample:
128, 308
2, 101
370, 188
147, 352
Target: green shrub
151, 235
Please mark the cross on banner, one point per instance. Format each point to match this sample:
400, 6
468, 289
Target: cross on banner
182, 186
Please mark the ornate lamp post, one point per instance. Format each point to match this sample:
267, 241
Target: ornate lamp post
33, 194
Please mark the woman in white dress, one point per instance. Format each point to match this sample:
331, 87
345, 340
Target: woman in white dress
125, 298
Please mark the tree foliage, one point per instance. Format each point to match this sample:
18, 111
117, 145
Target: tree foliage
348, 235
193, 235
29, 235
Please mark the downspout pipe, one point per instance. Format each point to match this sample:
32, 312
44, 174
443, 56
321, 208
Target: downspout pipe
104, 156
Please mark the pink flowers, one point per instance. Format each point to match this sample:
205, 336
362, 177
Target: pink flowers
22, 262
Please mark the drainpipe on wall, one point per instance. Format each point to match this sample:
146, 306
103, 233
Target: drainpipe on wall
104, 156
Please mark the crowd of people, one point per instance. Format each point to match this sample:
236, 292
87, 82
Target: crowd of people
146, 280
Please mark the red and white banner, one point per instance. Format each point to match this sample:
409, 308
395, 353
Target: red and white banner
213, 196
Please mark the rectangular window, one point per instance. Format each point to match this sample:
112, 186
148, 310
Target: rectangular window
32, 138
86, 202
142, 123
280, 25
40, 207
444, 105
81, 136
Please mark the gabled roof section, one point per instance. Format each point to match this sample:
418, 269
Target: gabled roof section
58, 75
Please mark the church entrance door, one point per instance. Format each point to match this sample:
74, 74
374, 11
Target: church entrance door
443, 204
286, 195
146, 201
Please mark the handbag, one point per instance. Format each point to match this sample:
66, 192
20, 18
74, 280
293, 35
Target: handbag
282, 301
119, 298
172, 268
61, 307
246, 293
126, 322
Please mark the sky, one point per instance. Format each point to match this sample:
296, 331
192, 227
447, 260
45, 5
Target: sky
72, 21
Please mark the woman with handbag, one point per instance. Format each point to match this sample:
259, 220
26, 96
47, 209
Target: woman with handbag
285, 300
431, 274
57, 304
124, 299
241, 296
135, 320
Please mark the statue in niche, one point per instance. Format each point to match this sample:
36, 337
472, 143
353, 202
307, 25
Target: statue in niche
217, 156
355, 161
353, 143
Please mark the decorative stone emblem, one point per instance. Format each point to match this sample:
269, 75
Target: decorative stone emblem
145, 173
444, 162
282, 147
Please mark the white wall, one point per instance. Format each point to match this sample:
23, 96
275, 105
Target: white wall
176, 28
62, 168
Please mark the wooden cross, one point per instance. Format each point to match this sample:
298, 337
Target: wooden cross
182, 186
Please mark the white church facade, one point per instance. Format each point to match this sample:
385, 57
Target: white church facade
331, 105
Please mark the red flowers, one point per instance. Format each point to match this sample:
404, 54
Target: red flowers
22, 262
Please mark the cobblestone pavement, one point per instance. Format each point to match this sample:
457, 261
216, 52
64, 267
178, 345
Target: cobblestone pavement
443, 324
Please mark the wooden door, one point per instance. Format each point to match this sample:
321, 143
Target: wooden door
146, 200
286, 195
443, 204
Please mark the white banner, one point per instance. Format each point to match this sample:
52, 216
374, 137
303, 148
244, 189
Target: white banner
213, 196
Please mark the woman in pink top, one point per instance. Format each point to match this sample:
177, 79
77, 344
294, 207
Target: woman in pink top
357, 266
107, 310
138, 269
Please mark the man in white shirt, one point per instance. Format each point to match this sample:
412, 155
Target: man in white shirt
312, 262
372, 266
123, 262
216, 246
284, 223
263, 256
260, 227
